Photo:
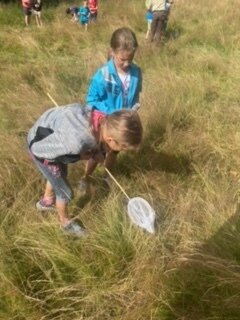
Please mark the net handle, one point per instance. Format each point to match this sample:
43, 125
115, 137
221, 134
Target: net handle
51, 98
117, 183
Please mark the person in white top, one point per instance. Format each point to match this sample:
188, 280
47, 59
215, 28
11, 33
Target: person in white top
159, 9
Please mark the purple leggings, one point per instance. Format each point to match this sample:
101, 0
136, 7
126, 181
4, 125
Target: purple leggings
56, 174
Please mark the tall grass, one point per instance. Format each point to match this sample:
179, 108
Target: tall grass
188, 169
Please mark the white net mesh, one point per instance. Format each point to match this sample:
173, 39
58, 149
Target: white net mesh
142, 214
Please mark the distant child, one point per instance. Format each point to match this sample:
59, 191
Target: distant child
27, 10
84, 14
158, 8
116, 85
64, 135
73, 11
93, 6
169, 4
36, 10
149, 18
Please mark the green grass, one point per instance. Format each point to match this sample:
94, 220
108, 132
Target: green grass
187, 168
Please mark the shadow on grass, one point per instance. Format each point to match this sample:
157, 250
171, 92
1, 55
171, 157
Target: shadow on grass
98, 189
173, 32
206, 285
149, 159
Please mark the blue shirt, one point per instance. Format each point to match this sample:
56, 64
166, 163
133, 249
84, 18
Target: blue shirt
84, 14
106, 92
149, 15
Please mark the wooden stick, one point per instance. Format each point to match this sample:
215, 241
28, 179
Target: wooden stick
51, 98
117, 183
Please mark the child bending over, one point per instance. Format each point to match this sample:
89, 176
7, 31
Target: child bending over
64, 135
73, 11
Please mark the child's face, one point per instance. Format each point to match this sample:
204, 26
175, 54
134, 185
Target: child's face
111, 143
122, 60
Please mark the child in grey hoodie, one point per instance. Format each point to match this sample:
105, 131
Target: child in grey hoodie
65, 135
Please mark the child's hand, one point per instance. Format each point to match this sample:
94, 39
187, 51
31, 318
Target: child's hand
136, 106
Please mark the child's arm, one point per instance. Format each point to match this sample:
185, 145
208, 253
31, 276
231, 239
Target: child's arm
140, 83
97, 94
138, 91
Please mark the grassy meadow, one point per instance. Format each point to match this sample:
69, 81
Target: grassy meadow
187, 168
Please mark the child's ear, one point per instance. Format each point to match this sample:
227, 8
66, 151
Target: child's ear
108, 139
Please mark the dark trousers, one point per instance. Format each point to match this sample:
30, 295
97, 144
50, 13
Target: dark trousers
158, 25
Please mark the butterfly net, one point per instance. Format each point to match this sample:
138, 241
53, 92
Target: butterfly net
141, 213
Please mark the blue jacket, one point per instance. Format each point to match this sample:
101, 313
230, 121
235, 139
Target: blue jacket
106, 92
84, 13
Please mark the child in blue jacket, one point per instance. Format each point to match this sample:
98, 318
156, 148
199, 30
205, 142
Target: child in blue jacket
84, 14
115, 86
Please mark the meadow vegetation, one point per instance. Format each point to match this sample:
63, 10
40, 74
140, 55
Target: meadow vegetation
187, 168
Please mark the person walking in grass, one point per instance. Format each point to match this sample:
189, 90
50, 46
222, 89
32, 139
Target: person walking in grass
84, 14
159, 9
73, 11
37, 11
169, 4
93, 6
27, 10
64, 135
116, 85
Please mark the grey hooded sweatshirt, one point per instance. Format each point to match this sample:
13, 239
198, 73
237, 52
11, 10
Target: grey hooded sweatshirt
63, 134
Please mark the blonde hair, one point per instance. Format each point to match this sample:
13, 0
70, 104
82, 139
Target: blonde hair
123, 39
125, 128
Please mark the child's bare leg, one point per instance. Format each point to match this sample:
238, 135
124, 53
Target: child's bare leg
40, 19
90, 167
62, 212
147, 34
39, 22
27, 20
148, 31
49, 194
110, 160
109, 163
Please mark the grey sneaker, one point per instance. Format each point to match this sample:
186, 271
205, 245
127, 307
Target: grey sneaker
73, 228
108, 181
43, 205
